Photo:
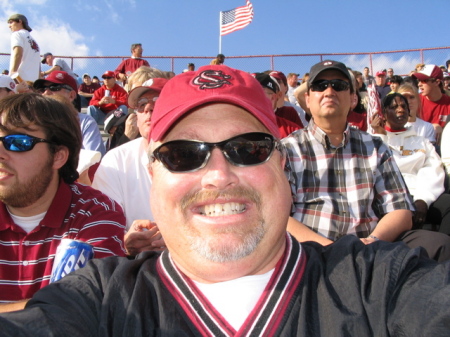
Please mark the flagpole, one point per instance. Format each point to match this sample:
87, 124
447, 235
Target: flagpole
220, 35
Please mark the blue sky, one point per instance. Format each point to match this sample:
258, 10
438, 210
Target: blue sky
191, 28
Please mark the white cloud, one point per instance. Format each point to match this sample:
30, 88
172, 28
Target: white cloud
402, 63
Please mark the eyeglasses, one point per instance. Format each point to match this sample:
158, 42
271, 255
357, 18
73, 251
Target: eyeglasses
322, 85
142, 102
21, 142
54, 87
431, 80
248, 149
107, 77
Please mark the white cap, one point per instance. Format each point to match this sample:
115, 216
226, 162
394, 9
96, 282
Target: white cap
7, 82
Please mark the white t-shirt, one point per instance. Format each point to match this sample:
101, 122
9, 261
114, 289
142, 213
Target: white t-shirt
29, 67
64, 67
123, 176
27, 223
235, 299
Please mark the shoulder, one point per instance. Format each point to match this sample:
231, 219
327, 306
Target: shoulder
89, 198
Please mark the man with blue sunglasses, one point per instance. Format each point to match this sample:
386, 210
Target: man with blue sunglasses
40, 202
221, 200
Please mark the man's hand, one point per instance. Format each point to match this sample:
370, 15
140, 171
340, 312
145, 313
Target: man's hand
438, 133
131, 128
377, 124
142, 236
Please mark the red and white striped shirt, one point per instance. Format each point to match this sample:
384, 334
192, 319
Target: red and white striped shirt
77, 212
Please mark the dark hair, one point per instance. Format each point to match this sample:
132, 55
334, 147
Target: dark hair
135, 45
396, 79
390, 97
447, 63
60, 125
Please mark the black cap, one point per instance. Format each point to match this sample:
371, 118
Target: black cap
267, 81
329, 65
114, 118
44, 59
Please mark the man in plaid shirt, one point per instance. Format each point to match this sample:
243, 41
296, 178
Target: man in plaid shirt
345, 181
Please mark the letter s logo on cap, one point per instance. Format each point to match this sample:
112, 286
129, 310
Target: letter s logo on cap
211, 79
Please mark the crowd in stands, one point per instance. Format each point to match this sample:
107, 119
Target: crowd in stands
367, 156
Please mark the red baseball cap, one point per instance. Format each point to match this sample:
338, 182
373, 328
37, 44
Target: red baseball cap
210, 84
429, 71
279, 76
155, 84
380, 73
58, 77
108, 73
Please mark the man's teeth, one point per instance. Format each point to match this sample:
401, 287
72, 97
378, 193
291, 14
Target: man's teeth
222, 209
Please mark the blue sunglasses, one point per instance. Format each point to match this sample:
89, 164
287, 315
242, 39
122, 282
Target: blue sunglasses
21, 142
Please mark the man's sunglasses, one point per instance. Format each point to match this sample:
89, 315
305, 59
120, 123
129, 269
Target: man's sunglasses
21, 142
54, 87
322, 85
107, 77
248, 149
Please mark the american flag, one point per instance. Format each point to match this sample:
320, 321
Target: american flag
236, 19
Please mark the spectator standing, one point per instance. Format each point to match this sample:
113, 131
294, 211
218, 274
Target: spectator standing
110, 96
368, 79
390, 74
129, 66
40, 203
435, 104
86, 90
219, 60
56, 64
24, 60
395, 82
292, 81
380, 84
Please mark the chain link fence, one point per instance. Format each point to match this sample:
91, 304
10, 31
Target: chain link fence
403, 62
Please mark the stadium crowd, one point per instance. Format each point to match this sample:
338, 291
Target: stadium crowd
344, 174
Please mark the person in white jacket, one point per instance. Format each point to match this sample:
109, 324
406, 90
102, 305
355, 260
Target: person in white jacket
418, 161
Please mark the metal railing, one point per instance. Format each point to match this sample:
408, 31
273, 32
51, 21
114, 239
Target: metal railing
402, 61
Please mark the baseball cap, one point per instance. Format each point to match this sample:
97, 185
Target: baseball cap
108, 73
23, 18
44, 58
58, 77
429, 71
155, 84
114, 118
86, 75
7, 82
267, 82
380, 73
210, 84
445, 74
279, 76
329, 65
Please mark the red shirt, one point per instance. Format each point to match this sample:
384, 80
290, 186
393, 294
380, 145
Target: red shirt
77, 212
435, 112
129, 66
289, 113
116, 92
357, 120
286, 127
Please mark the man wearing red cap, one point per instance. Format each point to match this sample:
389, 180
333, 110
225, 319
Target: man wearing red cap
435, 104
380, 84
60, 83
123, 174
222, 201
109, 97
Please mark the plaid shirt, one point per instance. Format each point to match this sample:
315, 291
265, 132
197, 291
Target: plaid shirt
345, 189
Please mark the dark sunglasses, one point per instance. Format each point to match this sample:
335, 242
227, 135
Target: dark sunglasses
107, 77
21, 142
54, 87
248, 149
322, 85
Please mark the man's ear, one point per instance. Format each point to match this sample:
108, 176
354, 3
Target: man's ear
60, 157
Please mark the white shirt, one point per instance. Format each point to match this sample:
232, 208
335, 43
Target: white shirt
236, 299
423, 129
29, 67
123, 176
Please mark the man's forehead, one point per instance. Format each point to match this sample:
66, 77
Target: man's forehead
149, 94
